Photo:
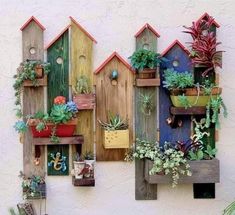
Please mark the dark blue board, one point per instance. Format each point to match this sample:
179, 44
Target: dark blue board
166, 132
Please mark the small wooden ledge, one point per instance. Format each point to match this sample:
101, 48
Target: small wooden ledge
148, 82
188, 111
40, 82
74, 140
86, 182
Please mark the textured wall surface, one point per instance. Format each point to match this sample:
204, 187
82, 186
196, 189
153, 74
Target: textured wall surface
113, 23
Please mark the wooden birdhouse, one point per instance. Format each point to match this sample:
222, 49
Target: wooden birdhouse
114, 93
146, 38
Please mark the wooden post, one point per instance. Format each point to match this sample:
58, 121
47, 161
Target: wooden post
33, 100
145, 126
81, 64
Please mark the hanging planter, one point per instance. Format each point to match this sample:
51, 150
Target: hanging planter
194, 96
61, 130
116, 133
84, 99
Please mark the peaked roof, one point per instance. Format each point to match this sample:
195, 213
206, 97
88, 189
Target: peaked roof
206, 15
32, 18
82, 29
147, 26
172, 45
115, 54
58, 36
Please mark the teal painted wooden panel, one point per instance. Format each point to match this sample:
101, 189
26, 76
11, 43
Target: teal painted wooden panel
58, 78
58, 160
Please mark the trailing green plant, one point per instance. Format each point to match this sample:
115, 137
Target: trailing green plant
82, 86
184, 101
144, 58
26, 71
177, 80
13, 212
146, 103
166, 160
20, 126
115, 122
230, 209
196, 154
31, 186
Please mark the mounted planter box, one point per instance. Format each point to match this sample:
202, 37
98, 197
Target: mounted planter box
203, 171
40, 82
84, 101
39, 193
192, 96
62, 130
116, 139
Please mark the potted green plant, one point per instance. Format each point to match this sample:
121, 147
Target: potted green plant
116, 132
83, 97
33, 187
146, 63
185, 93
79, 166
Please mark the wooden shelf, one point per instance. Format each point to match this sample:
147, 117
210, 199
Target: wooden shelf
203, 171
77, 139
40, 82
188, 111
148, 82
87, 182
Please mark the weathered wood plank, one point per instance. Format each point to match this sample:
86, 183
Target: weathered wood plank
78, 139
87, 182
81, 64
188, 111
33, 100
203, 171
58, 78
117, 99
148, 82
145, 126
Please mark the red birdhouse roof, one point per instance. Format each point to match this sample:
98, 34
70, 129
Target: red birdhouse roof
206, 15
115, 54
82, 29
32, 18
58, 36
172, 45
147, 26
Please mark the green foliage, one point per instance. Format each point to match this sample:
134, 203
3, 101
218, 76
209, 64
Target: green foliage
60, 114
146, 103
168, 160
143, 58
88, 155
20, 126
82, 86
176, 80
210, 152
115, 122
184, 101
230, 209
13, 212
196, 155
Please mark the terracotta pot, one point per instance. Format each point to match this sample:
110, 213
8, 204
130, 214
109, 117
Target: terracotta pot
39, 71
84, 101
62, 130
147, 73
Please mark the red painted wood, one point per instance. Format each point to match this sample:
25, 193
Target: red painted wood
172, 45
115, 54
30, 20
205, 15
82, 29
57, 37
148, 26
84, 101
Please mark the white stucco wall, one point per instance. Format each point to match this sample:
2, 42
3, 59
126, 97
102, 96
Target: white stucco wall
113, 23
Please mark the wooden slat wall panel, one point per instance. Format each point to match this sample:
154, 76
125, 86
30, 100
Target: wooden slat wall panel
145, 127
166, 132
59, 72
81, 64
32, 36
117, 99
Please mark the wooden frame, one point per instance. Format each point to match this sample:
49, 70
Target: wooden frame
40, 82
203, 171
88, 182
